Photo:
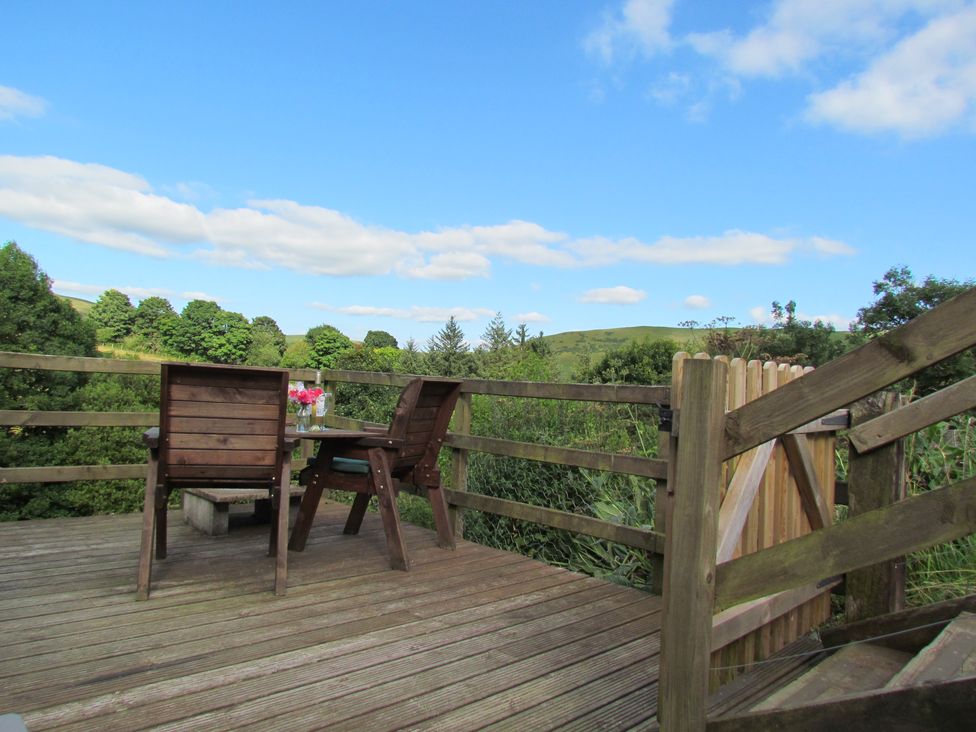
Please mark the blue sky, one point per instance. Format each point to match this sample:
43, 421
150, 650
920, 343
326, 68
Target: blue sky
570, 164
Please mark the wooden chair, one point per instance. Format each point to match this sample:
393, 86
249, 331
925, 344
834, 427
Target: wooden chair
219, 427
377, 464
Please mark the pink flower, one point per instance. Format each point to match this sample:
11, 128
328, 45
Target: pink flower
301, 395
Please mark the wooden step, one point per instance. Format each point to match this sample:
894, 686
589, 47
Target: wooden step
951, 655
860, 667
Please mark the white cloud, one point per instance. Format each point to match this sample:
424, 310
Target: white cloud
15, 103
531, 317
415, 312
134, 292
620, 295
697, 302
641, 25
107, 207
923, 86
903, 66
796, 32
830, 247
730, 248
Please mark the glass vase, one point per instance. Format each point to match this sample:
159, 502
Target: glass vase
302, 417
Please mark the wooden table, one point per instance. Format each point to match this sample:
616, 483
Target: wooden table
370, 446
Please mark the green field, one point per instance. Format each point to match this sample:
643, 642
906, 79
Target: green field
82, 306
568, 348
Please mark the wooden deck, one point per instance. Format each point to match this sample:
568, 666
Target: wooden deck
471, 639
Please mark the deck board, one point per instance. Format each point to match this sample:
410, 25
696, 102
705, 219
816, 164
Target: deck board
466, 640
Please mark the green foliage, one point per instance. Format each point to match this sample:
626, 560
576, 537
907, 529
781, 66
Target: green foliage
35, 320
206, 332
297, 355
189, 334
263, 351
496, 336
640, 362
937, 456
366, 401
788, 340
113, 315
229, 339
626, 500
899, 299
327, 345
154, 316
411, 358
448, 353
379, 339
85, 446
267, 324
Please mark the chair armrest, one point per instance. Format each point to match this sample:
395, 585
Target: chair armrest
291, 443
151, 438
371, 428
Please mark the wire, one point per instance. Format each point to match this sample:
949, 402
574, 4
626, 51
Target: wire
807, 654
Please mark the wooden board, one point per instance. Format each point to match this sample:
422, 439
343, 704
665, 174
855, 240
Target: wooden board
472, 637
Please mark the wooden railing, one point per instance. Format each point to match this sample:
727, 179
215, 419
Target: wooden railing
460, 441
698, 584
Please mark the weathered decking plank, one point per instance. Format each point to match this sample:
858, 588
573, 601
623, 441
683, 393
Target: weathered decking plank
466, 639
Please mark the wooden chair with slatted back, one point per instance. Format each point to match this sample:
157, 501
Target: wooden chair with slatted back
219, 427
406, 453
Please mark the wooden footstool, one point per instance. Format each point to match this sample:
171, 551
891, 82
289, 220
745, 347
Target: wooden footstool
208, 509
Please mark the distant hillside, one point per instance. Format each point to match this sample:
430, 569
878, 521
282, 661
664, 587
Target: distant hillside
82, 306
567, 348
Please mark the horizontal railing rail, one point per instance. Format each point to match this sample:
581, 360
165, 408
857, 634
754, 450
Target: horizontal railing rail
458, 441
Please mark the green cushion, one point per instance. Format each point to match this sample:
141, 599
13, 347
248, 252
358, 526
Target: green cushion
350, 465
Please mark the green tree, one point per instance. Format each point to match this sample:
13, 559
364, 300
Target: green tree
229, 339
522, 335
113, 315
379, 339
268, 343
411, 358
297, 355
189, 334
266, 324
35, 320
447, 351
496, 336
900, 298
496, 352
154, 316
327, 344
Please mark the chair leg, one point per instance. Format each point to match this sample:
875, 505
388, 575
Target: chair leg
148, 528
161, 513
442, 521
379, 466
274, 504
281, 530
359, 505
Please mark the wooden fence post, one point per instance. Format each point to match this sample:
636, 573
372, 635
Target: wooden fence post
875, 479
459, 461
690, 548
667, 446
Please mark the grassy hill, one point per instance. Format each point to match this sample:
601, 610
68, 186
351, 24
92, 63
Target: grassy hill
567, 348
82, 306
